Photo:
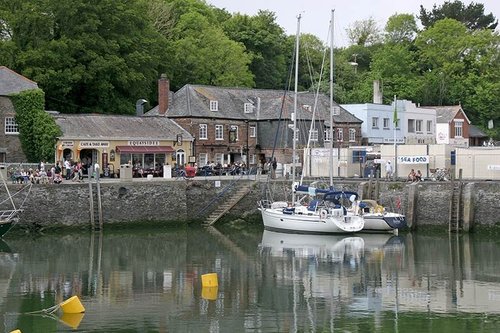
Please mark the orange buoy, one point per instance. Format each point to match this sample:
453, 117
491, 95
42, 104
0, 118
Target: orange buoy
209, 280
72, 305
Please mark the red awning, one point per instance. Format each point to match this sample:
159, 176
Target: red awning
144, 149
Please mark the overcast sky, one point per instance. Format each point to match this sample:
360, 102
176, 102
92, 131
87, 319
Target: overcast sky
316, 13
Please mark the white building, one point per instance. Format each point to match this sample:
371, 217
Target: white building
415, 125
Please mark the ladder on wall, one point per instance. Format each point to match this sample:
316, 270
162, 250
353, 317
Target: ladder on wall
456, 207
95, 202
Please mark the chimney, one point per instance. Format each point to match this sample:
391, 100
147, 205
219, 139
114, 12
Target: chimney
163, 91
377, 94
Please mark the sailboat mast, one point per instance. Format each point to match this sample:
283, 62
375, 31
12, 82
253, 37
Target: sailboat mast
330, 163
294, 136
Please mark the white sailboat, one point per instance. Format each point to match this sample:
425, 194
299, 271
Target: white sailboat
326, 213
377, 218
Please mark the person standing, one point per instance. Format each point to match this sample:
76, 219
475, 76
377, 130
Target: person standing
67, 166
274, 165
388, 170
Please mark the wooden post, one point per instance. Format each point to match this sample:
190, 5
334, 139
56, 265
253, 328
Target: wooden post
411, 211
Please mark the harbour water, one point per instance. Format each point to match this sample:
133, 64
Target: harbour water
150, 281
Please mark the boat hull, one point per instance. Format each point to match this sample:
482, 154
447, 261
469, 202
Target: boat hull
275, 219
384, 222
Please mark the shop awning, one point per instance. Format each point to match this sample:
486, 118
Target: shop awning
145, 149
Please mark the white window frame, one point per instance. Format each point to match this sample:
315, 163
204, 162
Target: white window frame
352, 134
340, 134
11, 127
253, 131
252, 159
336, 110
219, 158
248, 108
429, 126
459, 128
314, 135
418, 125
203, 132
214, 105
327, 134
202, 159
387, 123
411, 125
219, 132
374, 122
237, 128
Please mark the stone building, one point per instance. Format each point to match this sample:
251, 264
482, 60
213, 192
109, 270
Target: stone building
11, 83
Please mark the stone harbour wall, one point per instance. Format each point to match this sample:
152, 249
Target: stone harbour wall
171, 202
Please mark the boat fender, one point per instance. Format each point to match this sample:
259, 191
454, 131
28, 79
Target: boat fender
379, 209
323, 213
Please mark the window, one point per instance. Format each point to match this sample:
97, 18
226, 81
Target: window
248, 108
352, 134
458, 128
375, 122
429, 126
219, 158
418, 125
233, 133
327, 134
411, 125
307, 107
253, 131
340, 134
214, 106
11, 126
252, 159
313, 135
219, 132
336, 110
387, 123
203, 135
202, 159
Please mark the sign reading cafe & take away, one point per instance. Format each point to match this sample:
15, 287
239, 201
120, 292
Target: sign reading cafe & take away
417, 159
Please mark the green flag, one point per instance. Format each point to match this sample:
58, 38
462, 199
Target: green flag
395, 115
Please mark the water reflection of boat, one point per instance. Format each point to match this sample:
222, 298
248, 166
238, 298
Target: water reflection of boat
323, 247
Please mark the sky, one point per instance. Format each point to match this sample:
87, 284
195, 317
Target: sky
316, 13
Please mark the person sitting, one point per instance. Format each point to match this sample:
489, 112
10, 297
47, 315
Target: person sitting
418, 176
411, 176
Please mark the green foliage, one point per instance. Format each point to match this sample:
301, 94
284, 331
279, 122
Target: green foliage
400, 28
37, 129
472, 16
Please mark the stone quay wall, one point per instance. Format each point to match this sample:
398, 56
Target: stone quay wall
178, 201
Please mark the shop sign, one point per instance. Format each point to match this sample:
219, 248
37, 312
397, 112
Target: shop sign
67, 144
94, 144
143, 143
422, 159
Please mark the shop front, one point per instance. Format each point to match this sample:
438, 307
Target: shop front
145, 160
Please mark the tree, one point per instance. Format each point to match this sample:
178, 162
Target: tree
87, 57
364, 32
400, 28
472, 16
264, 42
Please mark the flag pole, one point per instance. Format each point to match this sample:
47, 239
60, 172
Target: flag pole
395, 123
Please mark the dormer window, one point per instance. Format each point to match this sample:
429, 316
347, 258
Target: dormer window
214, 106
336, 110
248, 107
307, 107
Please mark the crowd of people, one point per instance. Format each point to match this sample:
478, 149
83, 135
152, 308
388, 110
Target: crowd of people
44, 174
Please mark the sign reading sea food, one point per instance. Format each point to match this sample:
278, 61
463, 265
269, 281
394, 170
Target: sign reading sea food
417, 159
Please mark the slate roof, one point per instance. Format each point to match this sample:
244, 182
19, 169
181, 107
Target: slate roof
476, 132
194, 101
445, 114
112, 127
13, 83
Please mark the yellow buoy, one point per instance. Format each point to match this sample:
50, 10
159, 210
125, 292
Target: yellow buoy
72, 319
209, 293
16, 331
209, 280
72, 305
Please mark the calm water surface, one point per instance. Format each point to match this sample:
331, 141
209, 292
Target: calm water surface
150, 281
